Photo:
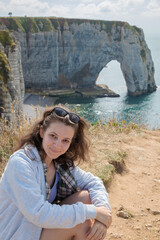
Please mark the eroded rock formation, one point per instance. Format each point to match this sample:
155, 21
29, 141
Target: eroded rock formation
73, 54
11, 76
62, 54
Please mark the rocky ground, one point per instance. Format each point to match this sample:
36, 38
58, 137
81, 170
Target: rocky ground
136, 192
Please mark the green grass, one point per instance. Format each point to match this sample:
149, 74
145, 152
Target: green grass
37, 24
4, 69
6, 40
117, 159
120, 126
105, 173
126, 212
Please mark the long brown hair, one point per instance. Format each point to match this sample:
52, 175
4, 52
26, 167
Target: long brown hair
79, 147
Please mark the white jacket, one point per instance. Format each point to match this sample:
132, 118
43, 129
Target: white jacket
24, 210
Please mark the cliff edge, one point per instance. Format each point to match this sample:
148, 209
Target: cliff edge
11, 76
60, 54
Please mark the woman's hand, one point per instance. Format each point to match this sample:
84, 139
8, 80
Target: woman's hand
104, 216
97, 232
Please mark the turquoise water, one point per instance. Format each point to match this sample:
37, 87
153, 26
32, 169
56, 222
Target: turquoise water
144, 109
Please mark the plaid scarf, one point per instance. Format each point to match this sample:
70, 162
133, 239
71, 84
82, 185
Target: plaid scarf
66, 185
48, 189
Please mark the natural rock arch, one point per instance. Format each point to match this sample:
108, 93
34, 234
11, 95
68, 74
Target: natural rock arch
59, 53
112, 75
74, 53
124, 44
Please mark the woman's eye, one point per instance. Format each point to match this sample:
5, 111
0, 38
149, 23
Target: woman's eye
66, 141
53, 136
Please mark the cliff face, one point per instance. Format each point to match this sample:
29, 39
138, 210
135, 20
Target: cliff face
11, 76
70, 53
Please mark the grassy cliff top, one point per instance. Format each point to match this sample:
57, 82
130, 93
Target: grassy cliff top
6, 40
106, 157
4, 69
45, 24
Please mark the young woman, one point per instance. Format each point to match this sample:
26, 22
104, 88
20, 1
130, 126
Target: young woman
43, 195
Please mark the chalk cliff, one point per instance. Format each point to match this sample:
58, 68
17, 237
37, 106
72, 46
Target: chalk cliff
60, 54
73, 53
11, 76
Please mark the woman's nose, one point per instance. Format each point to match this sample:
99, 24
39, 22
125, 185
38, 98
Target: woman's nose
58, 143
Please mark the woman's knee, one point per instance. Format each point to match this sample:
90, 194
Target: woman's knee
81, 230
84, 197
81, 196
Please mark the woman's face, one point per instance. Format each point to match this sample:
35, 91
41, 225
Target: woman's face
56, 139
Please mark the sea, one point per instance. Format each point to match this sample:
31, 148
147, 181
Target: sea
143, 110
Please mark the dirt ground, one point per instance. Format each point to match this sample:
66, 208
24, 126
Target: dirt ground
137, 189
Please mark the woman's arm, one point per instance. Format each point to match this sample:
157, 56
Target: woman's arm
95, 186
104, 216
22, 187
98, 194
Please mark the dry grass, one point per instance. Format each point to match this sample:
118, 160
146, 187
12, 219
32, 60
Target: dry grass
106, 155
9, 133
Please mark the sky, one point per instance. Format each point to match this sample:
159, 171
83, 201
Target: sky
142, 13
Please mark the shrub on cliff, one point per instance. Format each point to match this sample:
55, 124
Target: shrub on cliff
4, 69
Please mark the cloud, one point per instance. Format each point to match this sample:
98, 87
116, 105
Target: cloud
153, 9
136, 12
31, 8
109, 9
82, 9
23, 7
87, 1
106, 6
120, 7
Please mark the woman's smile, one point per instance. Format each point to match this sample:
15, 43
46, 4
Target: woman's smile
55, 151
56, 140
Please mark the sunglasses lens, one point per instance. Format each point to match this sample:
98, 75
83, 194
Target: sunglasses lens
74, 118
60, 112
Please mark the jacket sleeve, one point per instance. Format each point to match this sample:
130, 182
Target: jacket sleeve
20, 182
95, 186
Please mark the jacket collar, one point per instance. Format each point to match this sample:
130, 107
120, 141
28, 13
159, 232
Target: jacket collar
32, 152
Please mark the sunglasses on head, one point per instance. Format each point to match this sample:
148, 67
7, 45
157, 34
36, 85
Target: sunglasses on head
62, 113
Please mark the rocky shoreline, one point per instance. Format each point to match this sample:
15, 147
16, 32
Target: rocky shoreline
35, 101
100, 90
